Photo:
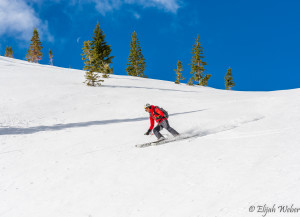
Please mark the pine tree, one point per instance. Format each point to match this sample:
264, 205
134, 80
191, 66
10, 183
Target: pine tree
35, 47
197, 65
136, 62
229, 80
11, 53
8, 52
178, 72
50, 57
92, 79
87, 55
28, 55
96, 54
100, 50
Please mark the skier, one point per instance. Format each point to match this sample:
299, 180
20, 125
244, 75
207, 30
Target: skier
162, 122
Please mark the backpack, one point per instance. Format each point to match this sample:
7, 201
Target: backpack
166, 114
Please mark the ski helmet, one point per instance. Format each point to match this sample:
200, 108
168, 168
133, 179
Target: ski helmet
147, 106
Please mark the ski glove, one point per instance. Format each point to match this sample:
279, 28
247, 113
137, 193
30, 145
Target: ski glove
148, 132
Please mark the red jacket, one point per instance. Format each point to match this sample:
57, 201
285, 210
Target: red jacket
157, 115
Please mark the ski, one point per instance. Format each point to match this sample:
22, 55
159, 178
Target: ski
160, 142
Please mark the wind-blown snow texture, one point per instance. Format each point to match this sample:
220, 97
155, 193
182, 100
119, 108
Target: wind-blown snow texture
68, 150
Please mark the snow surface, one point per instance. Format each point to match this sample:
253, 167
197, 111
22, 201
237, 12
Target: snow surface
68, 150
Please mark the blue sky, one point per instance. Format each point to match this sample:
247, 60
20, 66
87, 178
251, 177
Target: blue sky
258, 39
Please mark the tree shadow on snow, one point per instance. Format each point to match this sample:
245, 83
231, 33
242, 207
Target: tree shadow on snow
150, 88
56, 127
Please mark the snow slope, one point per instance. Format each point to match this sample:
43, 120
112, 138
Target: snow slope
67, 150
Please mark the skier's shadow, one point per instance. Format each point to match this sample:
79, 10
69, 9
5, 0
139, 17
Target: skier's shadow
31, 130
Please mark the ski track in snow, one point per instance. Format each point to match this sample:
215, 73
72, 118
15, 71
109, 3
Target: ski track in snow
230, 126
196, 133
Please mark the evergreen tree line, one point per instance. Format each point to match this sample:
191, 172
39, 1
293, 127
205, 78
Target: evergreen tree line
96, 54
198, 70
97, 60
9, 52
34, 53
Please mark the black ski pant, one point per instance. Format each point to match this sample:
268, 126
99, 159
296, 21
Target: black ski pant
160, 126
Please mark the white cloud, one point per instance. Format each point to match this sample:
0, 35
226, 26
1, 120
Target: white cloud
104, 6
167, 5
136, 15
18, 19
